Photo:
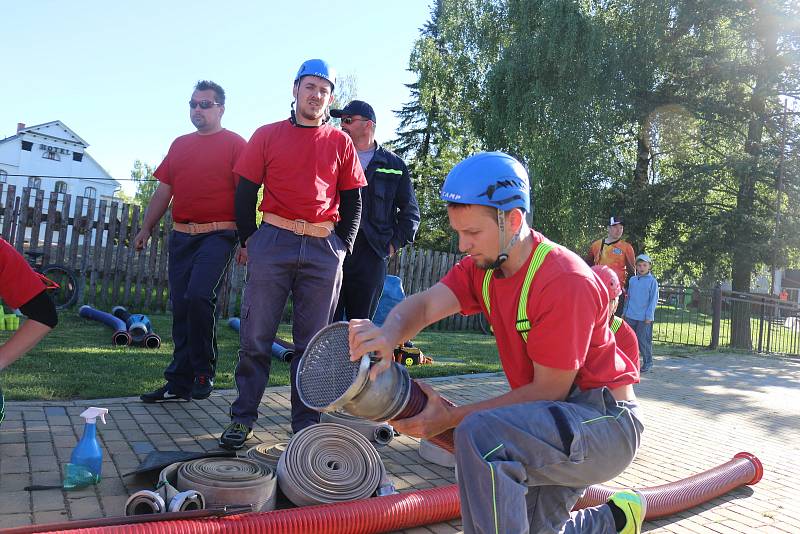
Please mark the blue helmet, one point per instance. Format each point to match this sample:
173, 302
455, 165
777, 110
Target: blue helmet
317, 67
492, 179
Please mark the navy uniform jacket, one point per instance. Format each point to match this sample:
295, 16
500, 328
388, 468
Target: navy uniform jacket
389, 210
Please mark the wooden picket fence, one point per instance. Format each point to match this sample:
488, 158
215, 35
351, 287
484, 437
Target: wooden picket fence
420, 269
95, 239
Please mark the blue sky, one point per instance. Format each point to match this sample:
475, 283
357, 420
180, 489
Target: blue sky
120, 74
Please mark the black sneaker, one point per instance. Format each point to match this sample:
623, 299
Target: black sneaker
235, 435
163, 394
202, 388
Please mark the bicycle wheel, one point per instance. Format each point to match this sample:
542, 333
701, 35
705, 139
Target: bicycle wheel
66, 294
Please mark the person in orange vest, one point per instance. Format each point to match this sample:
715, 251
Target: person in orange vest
615, 252
623, 333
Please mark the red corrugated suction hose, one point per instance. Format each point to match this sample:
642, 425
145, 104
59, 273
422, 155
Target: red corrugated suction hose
408, 510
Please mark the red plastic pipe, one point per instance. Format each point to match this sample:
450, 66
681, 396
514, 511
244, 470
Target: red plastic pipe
408, 510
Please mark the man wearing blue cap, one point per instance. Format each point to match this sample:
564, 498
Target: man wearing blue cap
389, 215
312, 208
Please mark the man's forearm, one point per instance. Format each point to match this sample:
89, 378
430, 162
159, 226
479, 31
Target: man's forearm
156, 208
23, 340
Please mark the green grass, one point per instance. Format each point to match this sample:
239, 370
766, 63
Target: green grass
77, 361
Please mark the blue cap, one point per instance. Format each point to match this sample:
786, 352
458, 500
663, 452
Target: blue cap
492, 179
319, 68
356, 107
644, 257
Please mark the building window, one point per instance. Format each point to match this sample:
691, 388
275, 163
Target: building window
61, 187
34, 182
3, 177
90, 192
27, 145
77, 156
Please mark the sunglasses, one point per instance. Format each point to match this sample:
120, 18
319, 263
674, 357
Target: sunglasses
349, 120
204, 104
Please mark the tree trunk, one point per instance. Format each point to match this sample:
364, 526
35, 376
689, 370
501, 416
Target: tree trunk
637, 205
743, 237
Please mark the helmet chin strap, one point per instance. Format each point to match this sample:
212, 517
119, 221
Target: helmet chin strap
503, 255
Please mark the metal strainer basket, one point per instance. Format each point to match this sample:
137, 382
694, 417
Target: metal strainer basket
328, 381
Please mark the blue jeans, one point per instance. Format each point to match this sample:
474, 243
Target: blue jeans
541, 457
644, 334
280, 262
197, 264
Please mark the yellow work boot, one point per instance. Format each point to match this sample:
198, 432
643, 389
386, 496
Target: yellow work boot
634, 506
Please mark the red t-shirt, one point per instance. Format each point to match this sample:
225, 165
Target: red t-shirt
302, 169
627, 342
199, 169
18, 282
568, 312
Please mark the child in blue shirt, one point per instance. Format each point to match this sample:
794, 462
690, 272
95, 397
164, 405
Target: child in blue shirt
640, 308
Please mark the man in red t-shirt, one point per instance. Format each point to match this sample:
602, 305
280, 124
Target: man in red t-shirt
22, 288
615, 252
312, 208
197, 177
570, 419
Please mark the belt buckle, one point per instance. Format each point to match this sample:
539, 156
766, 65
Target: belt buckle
297, 225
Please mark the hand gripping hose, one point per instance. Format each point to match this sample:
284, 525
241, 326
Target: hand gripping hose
281, 350
328, 463
120, 336
378, 433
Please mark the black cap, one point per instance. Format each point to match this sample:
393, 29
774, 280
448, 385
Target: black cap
615, 220
356, 107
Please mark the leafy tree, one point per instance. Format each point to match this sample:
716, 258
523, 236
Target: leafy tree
146, 183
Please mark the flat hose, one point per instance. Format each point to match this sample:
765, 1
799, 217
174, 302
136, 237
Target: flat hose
267, 454
328, 463
376, 432
409, 510
229, 481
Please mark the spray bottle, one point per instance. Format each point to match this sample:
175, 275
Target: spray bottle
86, 461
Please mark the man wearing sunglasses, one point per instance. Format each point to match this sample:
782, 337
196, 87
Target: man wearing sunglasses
389, 215
312, 207
197, 178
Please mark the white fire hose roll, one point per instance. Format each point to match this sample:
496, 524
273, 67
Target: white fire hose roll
267, 454
329, 463
228, 481
378, 433
435, 454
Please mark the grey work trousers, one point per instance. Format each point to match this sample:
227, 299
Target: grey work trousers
280, 262
540, 457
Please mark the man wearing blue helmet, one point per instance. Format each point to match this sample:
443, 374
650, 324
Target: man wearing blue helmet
312, 208
570, 419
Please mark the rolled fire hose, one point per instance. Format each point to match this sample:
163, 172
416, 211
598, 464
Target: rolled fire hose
435, 454
378, 433
229, 481
120, 336
281, 350
328, 463
267, 454
409, 510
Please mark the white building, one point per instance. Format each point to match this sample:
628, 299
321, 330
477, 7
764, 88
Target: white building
52, 157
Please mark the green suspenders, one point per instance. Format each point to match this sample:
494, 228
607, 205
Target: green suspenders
523, 323
616, 322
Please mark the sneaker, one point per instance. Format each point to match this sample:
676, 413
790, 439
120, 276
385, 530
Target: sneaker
202, 387
634, 506
235, 435
163, 394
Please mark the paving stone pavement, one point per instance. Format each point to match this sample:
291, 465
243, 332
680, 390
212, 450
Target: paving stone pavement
700, 410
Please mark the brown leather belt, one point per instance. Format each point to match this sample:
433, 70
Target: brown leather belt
203, 228
299, 226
